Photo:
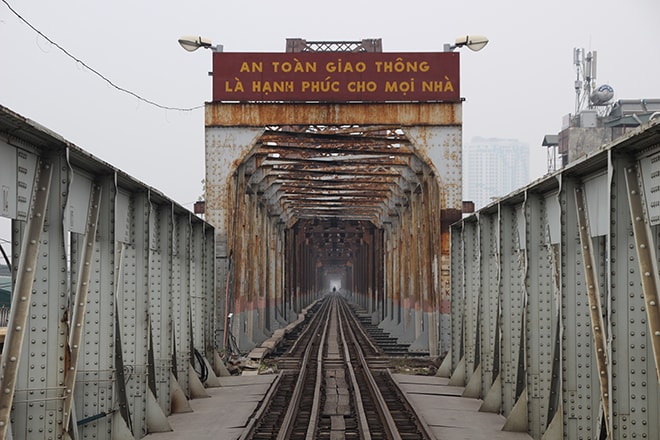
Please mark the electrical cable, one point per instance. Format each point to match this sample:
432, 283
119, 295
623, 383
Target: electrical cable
204, 373
94, 71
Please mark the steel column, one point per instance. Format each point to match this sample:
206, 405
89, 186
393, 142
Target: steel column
161, 299
225, 147
471, 262
648, 261
512, 302
593, 296
539, 284
12, 353
457, 293
80, 301
95, 378
489, 310
181, 300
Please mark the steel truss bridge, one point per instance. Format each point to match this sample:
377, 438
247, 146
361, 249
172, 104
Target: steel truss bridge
543, 304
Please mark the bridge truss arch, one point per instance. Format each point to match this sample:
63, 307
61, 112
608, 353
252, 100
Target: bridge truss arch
359, 193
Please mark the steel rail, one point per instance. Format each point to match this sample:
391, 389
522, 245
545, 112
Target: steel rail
363, 332
359, 407
392, 431
422, 425
314, 413
292, 410
313, 325
249, 428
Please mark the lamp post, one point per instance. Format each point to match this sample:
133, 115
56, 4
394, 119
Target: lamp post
472, 42
192, 43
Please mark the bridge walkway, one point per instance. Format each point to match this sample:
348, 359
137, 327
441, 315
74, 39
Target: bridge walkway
228, 410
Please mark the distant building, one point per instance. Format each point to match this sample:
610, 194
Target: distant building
493, 168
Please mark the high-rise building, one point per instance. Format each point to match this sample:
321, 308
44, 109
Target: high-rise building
492, 168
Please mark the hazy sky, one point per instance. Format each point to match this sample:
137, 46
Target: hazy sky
520, 86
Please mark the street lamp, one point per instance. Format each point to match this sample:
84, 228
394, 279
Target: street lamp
472, 42
192, 43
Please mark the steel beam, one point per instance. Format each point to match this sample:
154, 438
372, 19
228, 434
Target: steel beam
268, 114
80, 302
489, 272
595, 310
20, 307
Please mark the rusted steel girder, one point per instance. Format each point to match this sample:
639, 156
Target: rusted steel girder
220, 114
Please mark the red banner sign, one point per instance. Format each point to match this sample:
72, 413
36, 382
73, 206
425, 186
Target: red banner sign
336, 76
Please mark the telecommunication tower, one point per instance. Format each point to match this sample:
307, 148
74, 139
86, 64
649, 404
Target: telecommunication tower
587, 95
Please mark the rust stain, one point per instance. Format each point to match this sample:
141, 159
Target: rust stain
334, 175
400, 114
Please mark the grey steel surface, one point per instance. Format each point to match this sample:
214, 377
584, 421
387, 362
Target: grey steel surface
224, 415
450, 416
90, 375
578, 289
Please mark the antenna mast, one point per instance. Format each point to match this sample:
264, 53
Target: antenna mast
585, 83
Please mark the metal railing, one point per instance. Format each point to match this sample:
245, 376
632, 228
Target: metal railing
4, 316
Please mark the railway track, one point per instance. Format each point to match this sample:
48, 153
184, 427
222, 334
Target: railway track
327, 390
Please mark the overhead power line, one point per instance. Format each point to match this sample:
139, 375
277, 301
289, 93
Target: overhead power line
96, 72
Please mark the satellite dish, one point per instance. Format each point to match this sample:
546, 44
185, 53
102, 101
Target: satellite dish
602, 95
